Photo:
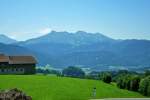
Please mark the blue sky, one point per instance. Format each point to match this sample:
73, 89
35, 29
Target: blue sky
120, 19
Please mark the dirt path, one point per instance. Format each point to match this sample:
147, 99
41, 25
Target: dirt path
124, 99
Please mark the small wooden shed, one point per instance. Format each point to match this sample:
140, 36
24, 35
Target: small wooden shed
17, 64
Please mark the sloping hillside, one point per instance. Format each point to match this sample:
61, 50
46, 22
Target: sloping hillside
42, 87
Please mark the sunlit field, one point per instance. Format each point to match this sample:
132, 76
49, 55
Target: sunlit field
51, 87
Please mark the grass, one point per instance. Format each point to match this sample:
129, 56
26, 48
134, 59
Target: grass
42, 87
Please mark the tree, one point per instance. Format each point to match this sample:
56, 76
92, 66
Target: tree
39, 70
135, 81
144, 87
72, 71
124, 81
120, 83
148, 89
93, 75
105, 77
123, 72
147, 73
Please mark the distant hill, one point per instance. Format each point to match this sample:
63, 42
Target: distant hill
6, 40
89, 50
10, 49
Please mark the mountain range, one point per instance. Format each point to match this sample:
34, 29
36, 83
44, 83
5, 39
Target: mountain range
92, 50
6, 40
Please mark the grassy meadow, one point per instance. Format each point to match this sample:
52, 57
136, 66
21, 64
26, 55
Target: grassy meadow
51, 87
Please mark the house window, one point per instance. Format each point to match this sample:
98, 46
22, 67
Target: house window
2, 70
5, 70
16, 69
13, 69
21, 69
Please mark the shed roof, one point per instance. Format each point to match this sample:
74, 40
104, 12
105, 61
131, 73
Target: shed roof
18, 59
4, 58
22, 60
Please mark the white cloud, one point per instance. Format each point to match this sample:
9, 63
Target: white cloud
45, 31
21, 36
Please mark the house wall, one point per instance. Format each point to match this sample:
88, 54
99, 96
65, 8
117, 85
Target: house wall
17, 69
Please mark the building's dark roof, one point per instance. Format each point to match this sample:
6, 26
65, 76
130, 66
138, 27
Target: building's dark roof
18, 59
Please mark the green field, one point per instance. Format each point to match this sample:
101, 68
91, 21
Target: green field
42, 87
